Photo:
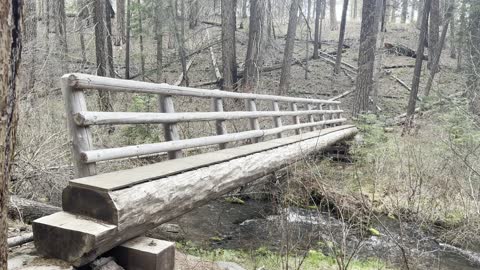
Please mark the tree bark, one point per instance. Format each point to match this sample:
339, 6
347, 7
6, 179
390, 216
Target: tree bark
393, 15
140, 36
366, 56
404, 11
333, 15
317, 37
461, 35
452, 36
418, 66
120, 18
159, 39
100, 52
255, 39
81, 9
11, 13
307, 38
193, 15
388, 10
109, 43
289, 46
341, 37
127, 42
61, 32
473, 76
433, 31
421, 3
229, 55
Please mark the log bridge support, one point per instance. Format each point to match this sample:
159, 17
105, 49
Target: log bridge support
102, 211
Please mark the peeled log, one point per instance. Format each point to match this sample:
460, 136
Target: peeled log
125, 213
28, 210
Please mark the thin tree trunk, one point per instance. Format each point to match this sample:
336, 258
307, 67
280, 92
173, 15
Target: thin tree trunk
341, 37
421, 3
159, 39
108, 22
433, 32
120, 18
289, 46
317, 41
366, 55
473, 76
439, 49
307, 39
461, 35
418, 65
404, 11
193, 16
229, 57
140, 30
453, 42
379, 58
61, 32
412, 11
393, 15
81, 18
333, 15
257, 13
127, 42
10, 55
388, 10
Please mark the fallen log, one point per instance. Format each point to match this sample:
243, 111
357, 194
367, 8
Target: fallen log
105, 218
398, 49
28, 210
398, 66
214, 60
19, 240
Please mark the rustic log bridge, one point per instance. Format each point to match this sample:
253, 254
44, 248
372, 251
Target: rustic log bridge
102, 211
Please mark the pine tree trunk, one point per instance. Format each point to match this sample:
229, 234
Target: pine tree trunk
452, 37
412, 11
229, 57
421, 3
193, 16
100, 51
341, 37
140, 35
388, 10
461, 35
393, 15
61, 32
355, 9
81, 8
289, 46
333, 15
404, 11
412, 101
257, 13
11, 12
433, 31
109, 44
317, 38
473, 76
127, 41
366, 56
307, 38
120, 18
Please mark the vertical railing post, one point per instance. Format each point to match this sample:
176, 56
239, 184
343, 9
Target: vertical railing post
332, 116
220, 124
277, 119
296, 119
339, 115
81, 136
310, 116
254, 125
170, 130
323, 115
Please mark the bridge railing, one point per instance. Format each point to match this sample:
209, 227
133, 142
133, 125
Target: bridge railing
320, 113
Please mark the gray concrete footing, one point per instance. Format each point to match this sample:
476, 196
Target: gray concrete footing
144, 253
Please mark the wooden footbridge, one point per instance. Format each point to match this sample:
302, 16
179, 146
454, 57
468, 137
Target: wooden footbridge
102, 211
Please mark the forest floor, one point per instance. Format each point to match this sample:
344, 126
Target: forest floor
420, 179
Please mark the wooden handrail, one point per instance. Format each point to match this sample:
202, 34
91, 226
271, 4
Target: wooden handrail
86, 118
84, 81
152, 148
80, 119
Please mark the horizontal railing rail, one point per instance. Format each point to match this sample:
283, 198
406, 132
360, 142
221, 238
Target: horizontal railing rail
318, 112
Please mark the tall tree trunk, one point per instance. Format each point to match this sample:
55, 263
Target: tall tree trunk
461, 35
11, 12
307, 38
433, 31
366, 55
341, 37
412, 101
441, 42
355, 9
388, 10
127, 41
404, 11
109, 44
140, 35
289, 46
421, 3
473, 76
159, 39
412, 11
257, 13
379, 58
120, 18
100, 51
61, 32
179, 38
82, 11
333, 15
452, 37
317, 38
229, 56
